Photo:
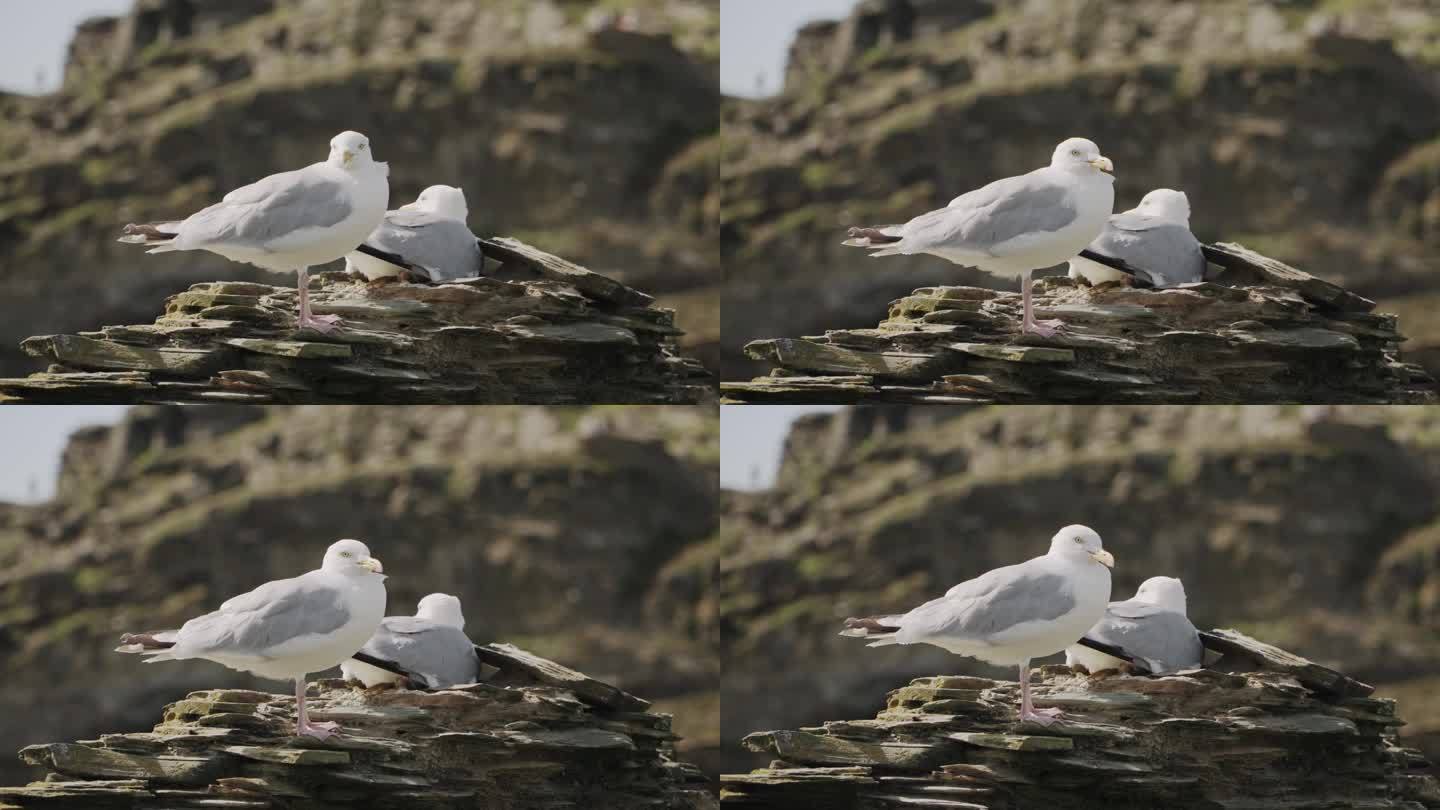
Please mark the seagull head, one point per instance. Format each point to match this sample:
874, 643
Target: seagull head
1166, 203
1081, 154
1081, 543
1166, 592
351, 558
441, 608
445, 201
350, 150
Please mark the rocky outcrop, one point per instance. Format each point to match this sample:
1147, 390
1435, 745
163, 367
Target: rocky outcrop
1316, 528
1259, 729
1260, 331
166, 109
534, 329
583, 535
535, 735
891, 113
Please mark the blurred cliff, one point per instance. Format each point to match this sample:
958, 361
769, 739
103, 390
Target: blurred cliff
585, 535
1312, 528
1307, 129
592, 139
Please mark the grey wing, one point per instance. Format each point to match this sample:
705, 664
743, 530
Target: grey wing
444, 247
1167, 250
272, 614
254, 215
1164, 640
441, 654
994, 214
991, 604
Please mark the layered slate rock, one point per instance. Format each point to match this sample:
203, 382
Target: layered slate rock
535, 329
536, 735
1260, 729
1255, 331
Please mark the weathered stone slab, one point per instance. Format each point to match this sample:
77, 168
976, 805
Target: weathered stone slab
100, 355
300, 349
510, 659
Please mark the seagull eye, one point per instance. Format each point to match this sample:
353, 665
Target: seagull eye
1075, 152
1080, 540
344, 554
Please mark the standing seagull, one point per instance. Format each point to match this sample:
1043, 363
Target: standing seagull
1012, 614
426, 240
288, 222
431, 644
1151, 627
1013, 226
1153, 237
285, 629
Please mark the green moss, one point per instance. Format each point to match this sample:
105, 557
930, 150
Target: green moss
817, 176
97, 170
91, 579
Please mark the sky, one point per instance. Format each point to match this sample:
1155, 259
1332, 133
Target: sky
755, 38
32, 438
751, 438
37, 33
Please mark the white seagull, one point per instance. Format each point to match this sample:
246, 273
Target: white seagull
1153, 237
1013, 614
288, 222
426, 240
431, 645
1013, 226
1151, 628
285, 629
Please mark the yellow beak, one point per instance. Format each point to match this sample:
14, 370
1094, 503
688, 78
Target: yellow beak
346, 157
1103, 557
372, 564
1103, 164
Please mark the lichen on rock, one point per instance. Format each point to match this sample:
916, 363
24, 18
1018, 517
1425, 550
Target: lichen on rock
535, 329
535, 735
1257, 331
1259, 728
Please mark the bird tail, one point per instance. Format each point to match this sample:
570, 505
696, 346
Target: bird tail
159, 236
873, 238
879, 630
154, 643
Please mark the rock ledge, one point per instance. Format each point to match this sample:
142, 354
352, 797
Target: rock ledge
1258, 331
1260, 729
536, 735
536, 329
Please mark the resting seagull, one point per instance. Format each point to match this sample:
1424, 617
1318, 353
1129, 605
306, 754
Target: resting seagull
285, 629
1012, 614
431, 645
1151, 628
426, 240
1154, 238
1014, 226
288, 222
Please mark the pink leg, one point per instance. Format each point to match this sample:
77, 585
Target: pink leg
320, 323
303, 726
1028, 324
1028, 712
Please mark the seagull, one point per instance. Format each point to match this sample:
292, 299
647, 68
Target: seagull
288, 222
1013, 226
426, 240
286, 628
1013, 614
431, 645
1153, 237
1151, 627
